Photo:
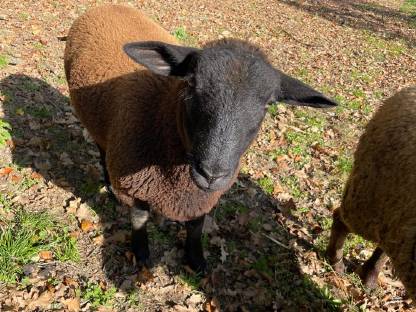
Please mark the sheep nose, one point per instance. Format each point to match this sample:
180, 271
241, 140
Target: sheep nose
210, 174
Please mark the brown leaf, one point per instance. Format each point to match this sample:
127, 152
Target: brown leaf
73, 305
144, 276
36, 176
46, 255
42, 301
86, 225
68, 281
5, 171
15, 178
99, 240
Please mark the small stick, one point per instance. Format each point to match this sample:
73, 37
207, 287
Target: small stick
276, 241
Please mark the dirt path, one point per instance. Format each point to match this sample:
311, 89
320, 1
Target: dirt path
264, 241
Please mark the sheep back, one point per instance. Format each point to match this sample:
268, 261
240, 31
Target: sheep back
379, 203
131, 113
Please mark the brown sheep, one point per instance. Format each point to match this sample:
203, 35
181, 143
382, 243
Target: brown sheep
171, 122
378, 202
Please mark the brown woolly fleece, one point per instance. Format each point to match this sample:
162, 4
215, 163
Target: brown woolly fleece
379, 202
131, 113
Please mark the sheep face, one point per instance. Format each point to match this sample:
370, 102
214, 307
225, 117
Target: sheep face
229, 84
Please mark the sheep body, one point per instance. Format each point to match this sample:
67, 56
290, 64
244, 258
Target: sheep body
131, 113
379, 203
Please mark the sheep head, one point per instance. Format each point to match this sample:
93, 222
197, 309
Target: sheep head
229, 84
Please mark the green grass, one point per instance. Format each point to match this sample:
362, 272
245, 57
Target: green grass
3, 61
344, 164
267, 185
5, 135
182, 35
89, 188
97, 296
40, 112
255, 224
291, 183
24, 236
191, 280
378, 46
264, 265
26, 183
409, 7
230, 209
5, 202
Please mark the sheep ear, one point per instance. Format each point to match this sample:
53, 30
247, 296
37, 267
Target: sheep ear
295, 92
161, 58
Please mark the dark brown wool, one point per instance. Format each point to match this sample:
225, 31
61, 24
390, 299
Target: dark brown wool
131, 113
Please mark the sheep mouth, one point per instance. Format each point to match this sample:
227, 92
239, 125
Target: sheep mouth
208, 184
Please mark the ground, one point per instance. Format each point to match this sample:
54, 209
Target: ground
64, 243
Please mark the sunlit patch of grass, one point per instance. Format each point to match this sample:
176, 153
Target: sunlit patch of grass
28, 233
409, 7
355, 241
267, 184
394, 48
193, 281
98, 296
182, 35
5, 129
344, 163
3, 61
291, 183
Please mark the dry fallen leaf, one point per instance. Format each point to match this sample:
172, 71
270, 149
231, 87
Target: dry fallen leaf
73, 305
42, 302
46, 255
86, 225
5, 171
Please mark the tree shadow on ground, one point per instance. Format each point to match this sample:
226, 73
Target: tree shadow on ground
373, 17
250, 252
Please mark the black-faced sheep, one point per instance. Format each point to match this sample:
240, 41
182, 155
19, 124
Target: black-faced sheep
171, 121
379, 203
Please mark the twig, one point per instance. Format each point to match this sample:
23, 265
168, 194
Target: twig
276, 241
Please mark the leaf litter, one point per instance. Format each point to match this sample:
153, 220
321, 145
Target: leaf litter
265, 239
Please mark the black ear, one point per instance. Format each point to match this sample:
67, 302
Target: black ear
293, 91
162, 58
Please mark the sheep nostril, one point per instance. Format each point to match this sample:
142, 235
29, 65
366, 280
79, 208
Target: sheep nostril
210, 175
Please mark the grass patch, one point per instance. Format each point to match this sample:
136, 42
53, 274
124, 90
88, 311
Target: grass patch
191, 280
5, 135
182, 35
39, 112
5, 202
409, 7
97, 296
344, 164
89, 188
24, 236
266, 184
380, 45
229, 210
292, 184
3, 61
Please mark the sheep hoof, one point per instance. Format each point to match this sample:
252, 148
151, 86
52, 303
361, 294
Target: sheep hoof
143, 261
339, 266
368, 278
197, 265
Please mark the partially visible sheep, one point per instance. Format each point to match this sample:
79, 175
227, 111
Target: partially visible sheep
379, 202
171, 122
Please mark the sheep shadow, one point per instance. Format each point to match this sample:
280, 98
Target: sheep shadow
361, 15
252, 255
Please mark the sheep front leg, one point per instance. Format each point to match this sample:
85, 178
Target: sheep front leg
139, 238
334, 251
194, 255
371, 268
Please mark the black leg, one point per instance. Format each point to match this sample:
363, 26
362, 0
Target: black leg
334, 252
194, 256
103, 164
139, 238
371, 268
